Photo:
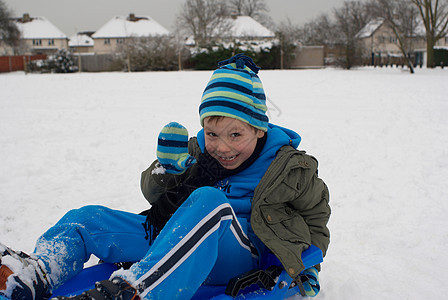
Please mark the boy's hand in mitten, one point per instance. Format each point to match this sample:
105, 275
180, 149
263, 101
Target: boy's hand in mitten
311, 283
172, 149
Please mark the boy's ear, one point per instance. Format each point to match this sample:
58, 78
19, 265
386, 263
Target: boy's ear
260, 134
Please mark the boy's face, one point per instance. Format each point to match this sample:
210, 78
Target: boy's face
230, 141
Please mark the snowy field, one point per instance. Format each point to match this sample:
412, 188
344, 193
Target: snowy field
380, 135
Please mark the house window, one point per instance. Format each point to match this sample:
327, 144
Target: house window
51, 42
393, 40
381, 39
37, 42
120, 41
446, 40
107, 42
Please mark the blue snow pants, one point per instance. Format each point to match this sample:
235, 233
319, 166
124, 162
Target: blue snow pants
203, 241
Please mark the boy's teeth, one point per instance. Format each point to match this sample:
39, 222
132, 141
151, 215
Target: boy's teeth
228, 158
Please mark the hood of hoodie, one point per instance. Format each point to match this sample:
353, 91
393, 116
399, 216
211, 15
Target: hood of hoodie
239, 188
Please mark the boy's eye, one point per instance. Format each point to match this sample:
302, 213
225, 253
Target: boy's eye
235, 134
211, 134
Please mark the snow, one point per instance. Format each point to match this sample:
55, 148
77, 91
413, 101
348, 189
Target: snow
380, 136
122, 27
80, 40
40, 28
245, 26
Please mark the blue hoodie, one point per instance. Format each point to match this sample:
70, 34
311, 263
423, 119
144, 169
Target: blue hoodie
240, 187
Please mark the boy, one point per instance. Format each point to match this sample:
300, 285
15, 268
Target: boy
218, 203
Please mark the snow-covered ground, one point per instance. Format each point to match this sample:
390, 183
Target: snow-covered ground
380, 135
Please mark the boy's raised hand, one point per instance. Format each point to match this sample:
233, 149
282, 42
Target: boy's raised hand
172, 149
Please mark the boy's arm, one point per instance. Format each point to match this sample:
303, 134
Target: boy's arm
155, 183
317, 218
170, 190
165, 178
313, 205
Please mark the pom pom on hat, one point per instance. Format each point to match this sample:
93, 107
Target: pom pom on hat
236, 91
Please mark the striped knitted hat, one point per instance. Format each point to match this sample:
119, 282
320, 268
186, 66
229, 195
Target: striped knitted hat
235, 91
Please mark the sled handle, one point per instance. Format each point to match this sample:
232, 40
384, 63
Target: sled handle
267, 279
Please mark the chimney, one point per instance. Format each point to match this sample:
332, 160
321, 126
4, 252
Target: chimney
26, 17
132, 17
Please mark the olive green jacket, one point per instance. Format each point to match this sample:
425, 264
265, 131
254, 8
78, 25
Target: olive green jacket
290, 207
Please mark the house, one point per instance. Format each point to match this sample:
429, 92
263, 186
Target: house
121, 29
444, 42
81, 43
40, 36
381, 45
378, 41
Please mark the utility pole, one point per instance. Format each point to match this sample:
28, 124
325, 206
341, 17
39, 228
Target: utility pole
79, 62
281, 51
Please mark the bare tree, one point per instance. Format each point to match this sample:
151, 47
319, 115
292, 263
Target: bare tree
252, 8
318, 31
257, 9
339, 29
349, 20
237, 7
153, 53
401, 19
288, 35
434, 14
204, 19
9, 33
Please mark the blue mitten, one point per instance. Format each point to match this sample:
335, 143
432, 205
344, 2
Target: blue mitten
311, 285
172, 149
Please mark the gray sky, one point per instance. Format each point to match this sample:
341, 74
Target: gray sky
79, 15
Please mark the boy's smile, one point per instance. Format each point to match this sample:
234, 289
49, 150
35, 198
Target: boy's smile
230, 141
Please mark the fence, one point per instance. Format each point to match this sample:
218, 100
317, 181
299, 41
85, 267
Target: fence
98, 63
18, 63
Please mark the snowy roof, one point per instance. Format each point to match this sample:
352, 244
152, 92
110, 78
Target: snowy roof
370, 28
243, 26
38, 28
129, 26
80, 40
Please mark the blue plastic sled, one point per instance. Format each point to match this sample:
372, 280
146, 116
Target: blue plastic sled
250, 289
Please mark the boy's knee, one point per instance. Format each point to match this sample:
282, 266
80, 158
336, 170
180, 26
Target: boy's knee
81, 215
208, 195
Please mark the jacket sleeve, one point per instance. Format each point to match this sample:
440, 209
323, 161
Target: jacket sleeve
312, 202
156, 184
